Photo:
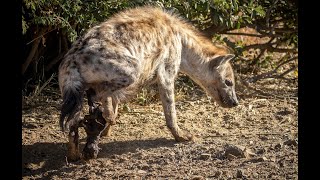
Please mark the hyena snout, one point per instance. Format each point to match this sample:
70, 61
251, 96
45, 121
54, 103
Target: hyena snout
228, 100
230, 103
234, 102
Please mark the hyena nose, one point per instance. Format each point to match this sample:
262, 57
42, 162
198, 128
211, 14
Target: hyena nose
235, 103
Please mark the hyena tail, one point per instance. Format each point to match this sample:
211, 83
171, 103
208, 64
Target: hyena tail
72, 95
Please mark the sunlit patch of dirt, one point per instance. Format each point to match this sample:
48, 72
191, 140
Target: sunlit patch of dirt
262, 131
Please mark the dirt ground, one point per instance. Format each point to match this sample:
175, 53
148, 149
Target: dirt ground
255, 140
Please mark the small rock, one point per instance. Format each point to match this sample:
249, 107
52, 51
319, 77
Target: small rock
235, 150
250, 142
109, 173
123, 159
239, 151
249, 153
263, 138
201, 112
237, 124
33, 136
197, 177
260, 159
217, 174
281, 163
230, 156
261, 151
290, 142
205, 156
278, 146
239, 173
144, 166
142, 172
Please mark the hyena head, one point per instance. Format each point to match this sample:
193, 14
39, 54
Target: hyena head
221, 83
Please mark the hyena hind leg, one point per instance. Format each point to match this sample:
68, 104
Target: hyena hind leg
73, 153
97, 124
93, 124
106, 113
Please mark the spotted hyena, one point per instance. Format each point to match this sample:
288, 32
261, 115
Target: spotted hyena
139, 46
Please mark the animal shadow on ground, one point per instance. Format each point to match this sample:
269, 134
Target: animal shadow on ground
49, 159
41, 157
123, 147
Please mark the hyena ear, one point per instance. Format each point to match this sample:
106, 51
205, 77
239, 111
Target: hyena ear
220, 60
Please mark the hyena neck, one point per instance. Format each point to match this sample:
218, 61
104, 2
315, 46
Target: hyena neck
197, 51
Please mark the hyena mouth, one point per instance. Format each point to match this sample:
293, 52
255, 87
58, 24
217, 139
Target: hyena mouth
225, 102
222, 99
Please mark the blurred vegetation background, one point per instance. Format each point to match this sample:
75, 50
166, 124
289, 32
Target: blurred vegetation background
262, 33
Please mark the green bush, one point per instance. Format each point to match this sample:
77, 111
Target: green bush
46, 18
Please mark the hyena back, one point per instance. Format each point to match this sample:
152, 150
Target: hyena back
131, 49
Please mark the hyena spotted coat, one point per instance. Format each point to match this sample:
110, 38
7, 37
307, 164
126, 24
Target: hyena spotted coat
131, 49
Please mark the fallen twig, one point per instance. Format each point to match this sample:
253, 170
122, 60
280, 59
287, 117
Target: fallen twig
272, 74
255, 134
39, 90
262, 94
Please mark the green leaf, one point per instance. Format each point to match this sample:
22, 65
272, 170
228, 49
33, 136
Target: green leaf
231, 24
259, 10
221, 19
238, 25
235, 5
24, 26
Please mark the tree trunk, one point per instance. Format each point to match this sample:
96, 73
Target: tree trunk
34, 48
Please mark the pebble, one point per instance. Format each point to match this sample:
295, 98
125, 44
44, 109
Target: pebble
278, 146
205, 156
235, 150
261, 151
197, 177
142, 172
217, 174
240, 173
259, 159
290, 142
238, 151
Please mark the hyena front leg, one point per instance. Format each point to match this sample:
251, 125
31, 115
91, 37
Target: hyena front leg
166, 90
110, 113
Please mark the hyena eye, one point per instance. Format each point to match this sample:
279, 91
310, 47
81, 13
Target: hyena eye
228, 82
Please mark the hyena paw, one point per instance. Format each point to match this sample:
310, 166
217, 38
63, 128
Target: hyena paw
73, 156
183, 137
90, 151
